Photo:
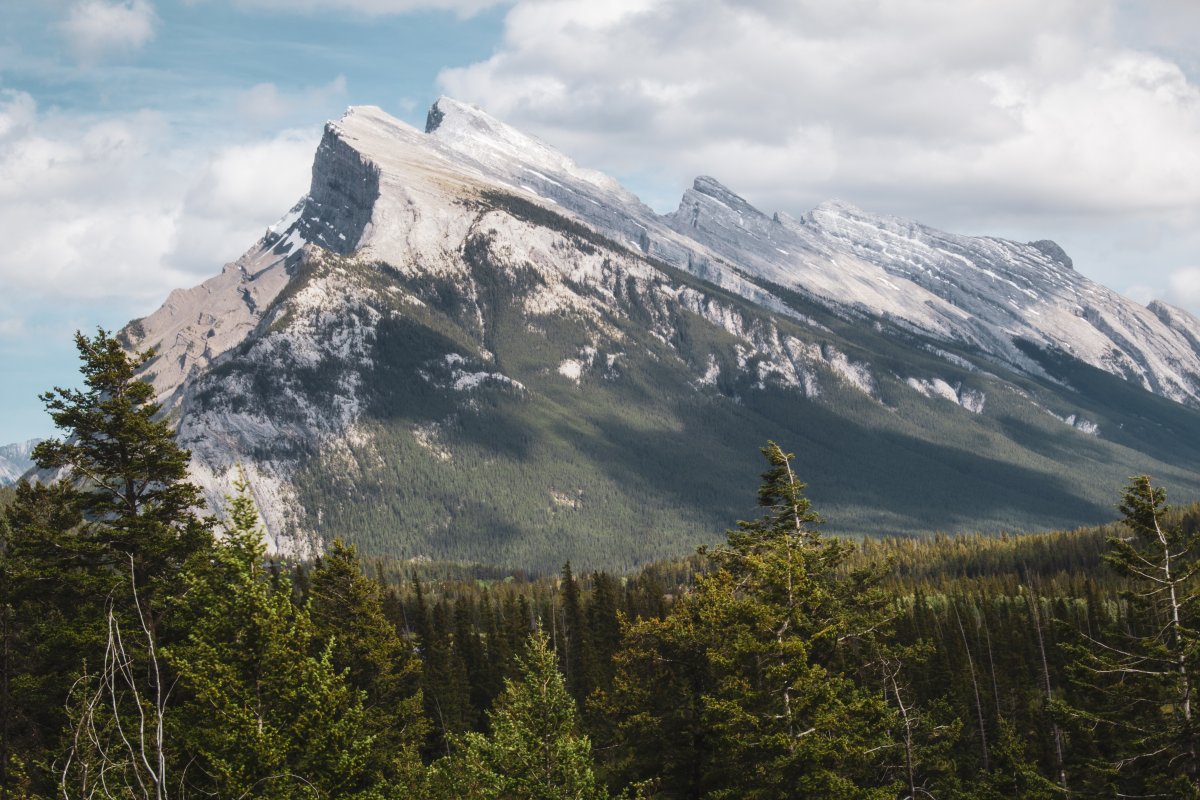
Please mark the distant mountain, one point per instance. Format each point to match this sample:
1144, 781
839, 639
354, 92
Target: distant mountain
15, 460
460, 344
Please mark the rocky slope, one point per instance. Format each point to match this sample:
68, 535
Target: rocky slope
462, 344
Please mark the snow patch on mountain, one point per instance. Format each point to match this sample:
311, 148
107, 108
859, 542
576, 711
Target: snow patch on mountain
571, 369
712, 371
1077, 422
857, 374
934, 388
969, 399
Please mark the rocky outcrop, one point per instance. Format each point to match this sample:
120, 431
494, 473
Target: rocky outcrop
345, 185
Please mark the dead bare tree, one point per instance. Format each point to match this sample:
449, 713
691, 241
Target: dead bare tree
910, 723
983, 742
1056, 731
118, 745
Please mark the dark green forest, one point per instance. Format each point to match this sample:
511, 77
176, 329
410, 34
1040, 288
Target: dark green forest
151, 651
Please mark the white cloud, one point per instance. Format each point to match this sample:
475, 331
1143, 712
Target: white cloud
241, 190
97, 29
11, 328
109, 210
265, 105
464, 8
1016, 104
1184, 287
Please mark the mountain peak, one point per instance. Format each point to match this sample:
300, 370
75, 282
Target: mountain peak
458, 115
1053, 251
840, 208
504, 150
381, 310
711, 187
15, 460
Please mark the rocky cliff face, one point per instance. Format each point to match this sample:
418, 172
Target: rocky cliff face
457, 328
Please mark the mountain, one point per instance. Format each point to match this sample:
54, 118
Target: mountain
461, 344
16, 460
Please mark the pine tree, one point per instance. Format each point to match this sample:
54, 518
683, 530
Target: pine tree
347, 611
268, 714
1147, 672
51, 609
575, 649
771, 687
445, 683
534, 750
659, 702
604, 628
108, 538
128, 476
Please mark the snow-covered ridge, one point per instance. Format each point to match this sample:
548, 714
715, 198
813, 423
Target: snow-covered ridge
981, 292
15, 460
978, 291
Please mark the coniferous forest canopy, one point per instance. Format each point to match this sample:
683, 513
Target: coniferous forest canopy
149, 650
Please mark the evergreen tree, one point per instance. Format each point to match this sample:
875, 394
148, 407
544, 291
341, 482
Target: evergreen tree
51, 609
347, 611
128, 476
268, 713
780, 625
534, 750
97, 554
604, 628
664, 678
575, 649
446, 686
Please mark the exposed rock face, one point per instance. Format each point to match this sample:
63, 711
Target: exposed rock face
196, 326
471, 272
345, 185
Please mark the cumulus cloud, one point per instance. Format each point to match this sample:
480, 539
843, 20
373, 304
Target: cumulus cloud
1184, 285
109, 210
241, 189
97, 29
1015, 105
265, 105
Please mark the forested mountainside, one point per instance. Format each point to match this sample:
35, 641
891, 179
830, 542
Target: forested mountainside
150, 651
461, 345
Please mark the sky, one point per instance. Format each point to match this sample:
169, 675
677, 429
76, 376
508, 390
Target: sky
145, 143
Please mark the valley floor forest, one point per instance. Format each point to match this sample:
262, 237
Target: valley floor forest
150, 651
